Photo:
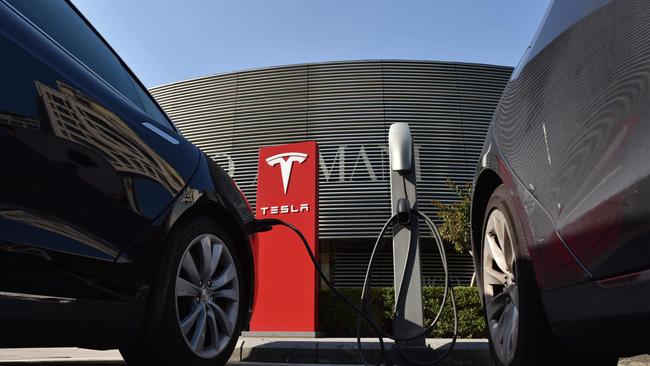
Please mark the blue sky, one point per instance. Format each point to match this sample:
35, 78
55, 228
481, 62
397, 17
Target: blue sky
169, 40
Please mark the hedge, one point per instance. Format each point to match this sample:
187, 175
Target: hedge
339, 320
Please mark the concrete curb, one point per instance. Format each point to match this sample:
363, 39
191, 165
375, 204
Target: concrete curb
468, 352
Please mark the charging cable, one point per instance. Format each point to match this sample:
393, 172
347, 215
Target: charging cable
448, 293
363, 314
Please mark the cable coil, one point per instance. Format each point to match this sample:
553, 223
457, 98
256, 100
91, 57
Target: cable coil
363, 314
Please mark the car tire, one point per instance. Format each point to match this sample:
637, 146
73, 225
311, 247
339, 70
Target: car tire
518, 329
200, 296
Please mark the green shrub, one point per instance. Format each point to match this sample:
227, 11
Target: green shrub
339, 320
455, 217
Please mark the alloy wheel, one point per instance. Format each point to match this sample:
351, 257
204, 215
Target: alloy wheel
500, 286
207, 296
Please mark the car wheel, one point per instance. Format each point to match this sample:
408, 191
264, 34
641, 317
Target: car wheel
200, 294
518, 330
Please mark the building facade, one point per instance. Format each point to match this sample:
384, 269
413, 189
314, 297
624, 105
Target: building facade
347, 107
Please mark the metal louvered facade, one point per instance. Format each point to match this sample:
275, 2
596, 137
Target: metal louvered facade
347, 108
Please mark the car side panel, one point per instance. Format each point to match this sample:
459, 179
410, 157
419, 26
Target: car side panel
601, 319
110, 313
210, 191
603, 190
81, 176
570, 134
574, 126
553, 263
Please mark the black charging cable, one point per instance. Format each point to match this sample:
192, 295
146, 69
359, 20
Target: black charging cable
448, 292
267, 224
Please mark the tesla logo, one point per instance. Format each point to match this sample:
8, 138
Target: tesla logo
286, 161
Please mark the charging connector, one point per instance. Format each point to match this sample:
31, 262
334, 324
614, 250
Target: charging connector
403, 212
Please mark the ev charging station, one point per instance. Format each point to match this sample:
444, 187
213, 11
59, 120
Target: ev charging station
406, 242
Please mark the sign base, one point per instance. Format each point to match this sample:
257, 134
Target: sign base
282, 334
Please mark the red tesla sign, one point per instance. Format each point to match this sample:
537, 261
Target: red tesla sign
286, 283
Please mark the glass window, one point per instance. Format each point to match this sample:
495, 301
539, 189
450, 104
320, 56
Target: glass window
61, 22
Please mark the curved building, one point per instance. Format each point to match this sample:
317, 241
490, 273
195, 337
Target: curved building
347, 108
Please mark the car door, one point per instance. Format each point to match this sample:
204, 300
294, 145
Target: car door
600, 134
576, 132
87, 160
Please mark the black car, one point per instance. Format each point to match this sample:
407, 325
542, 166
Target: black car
560, 213
115, 232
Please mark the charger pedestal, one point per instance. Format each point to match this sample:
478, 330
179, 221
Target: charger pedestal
406, 247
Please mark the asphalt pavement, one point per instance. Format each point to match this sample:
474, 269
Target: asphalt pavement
635, 361
84, 357
121, 363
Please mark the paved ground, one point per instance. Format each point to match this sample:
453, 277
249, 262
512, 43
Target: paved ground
102, 363
626, 362
120, 363
635, 361
83, 357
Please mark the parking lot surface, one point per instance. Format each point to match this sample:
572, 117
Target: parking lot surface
84, 357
